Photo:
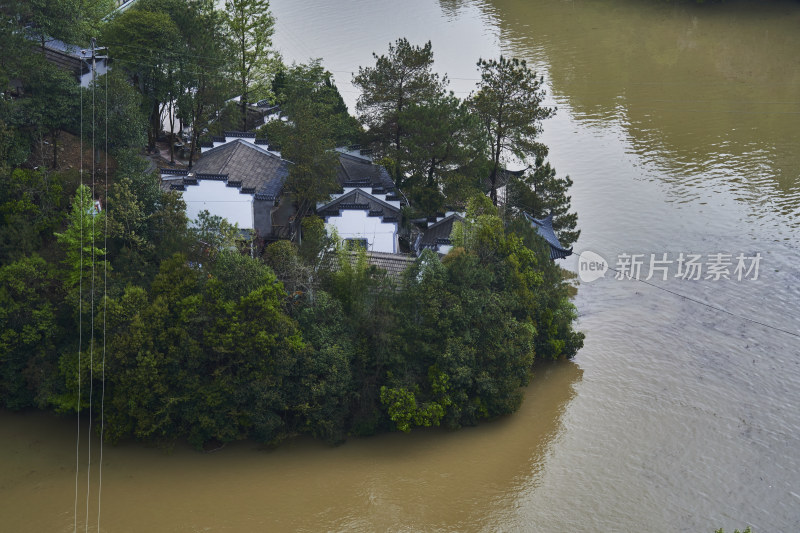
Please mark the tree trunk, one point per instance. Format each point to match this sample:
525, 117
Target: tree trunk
493, 185
54, 135
171, 130
154, 127
197, 111
195, 136
496, 167
243, 71
431, 168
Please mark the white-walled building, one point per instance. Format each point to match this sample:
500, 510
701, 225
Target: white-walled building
436, 236
361, 216
239, 180
367, 208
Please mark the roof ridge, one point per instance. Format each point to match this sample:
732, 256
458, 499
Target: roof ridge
230, 155
345, 170
341, 200
445, 219
360, 159
259, 149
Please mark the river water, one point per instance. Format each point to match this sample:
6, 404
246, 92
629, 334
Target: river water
680, 126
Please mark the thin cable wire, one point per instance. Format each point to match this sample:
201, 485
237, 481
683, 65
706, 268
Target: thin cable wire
695, 300
711, 306
91, 302
105, 311
80, 327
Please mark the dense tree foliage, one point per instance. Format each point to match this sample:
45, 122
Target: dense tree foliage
209, 338
509, 105
444, 149
250, 26
192, 359
53, 107
119, 120
540, 192
30, 211
307, 139
403, 77
137, 34
29, 330
72, 21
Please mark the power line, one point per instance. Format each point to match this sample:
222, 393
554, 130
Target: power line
91, 294
105, 313
91, 212
80, 328
706, 304
695, 300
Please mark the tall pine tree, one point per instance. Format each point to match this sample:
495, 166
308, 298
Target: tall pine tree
509, 105
402, 78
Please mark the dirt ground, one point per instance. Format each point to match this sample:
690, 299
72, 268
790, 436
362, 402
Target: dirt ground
69, 157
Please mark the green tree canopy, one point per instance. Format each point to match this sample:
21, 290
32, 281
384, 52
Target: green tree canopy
54, 105
444, 149
72, 21
117, 110
250, 27
540, 192
29, 330
399, 79
144, 44
82, 241
191, 359
509, 105
30, 211
308, 138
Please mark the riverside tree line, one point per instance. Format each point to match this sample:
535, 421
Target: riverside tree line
199, 338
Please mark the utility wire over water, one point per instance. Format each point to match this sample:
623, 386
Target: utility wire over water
627, 276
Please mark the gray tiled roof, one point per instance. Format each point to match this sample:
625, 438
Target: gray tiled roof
65, 48
393, 264
439, 233
361, 200
239, 134
361, 171
247, 166
503, 176
544, 227
65, 56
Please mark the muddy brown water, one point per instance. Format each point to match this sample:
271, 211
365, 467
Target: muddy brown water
680, 126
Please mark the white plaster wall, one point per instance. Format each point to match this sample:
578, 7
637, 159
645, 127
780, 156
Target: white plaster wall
355, 224
221, 200
444, 249
102, 68
501, 195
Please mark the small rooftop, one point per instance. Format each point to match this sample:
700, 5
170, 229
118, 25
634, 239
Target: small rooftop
544, 227
361, 170
438, 233
361, 200
393, 264
242, 164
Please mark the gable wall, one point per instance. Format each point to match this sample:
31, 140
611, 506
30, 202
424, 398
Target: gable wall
219, 199
356, 224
